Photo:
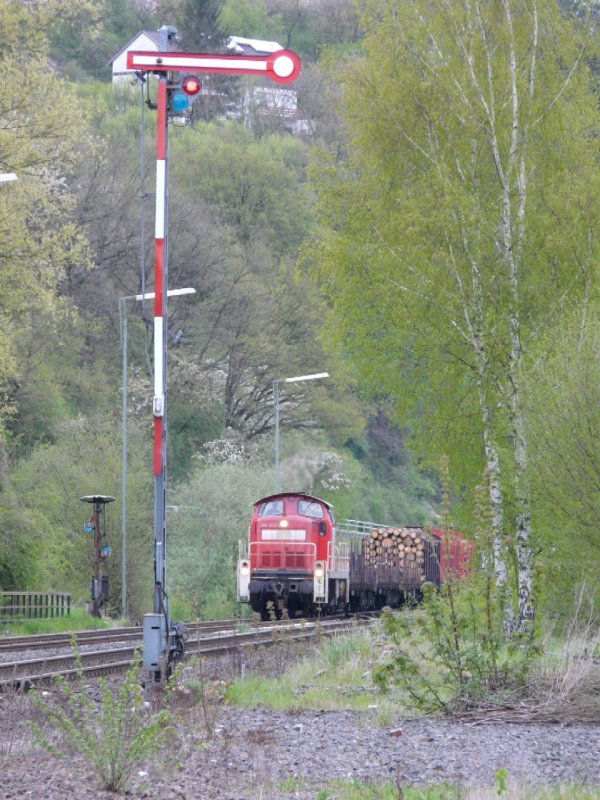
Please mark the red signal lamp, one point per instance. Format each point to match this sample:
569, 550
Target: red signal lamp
191, 85
183, 94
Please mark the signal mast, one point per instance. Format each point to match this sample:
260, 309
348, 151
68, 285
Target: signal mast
164, 642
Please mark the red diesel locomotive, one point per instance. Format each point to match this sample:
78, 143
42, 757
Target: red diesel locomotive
297, 561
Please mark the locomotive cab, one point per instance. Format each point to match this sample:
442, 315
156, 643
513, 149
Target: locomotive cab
290, 559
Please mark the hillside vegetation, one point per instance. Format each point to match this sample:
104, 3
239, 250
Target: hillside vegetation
355, 249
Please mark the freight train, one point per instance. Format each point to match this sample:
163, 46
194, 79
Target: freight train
297, 562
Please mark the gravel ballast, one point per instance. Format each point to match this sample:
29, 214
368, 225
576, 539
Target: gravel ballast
273, 755
222, 752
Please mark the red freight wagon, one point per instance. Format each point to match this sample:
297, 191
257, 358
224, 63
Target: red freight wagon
456, 554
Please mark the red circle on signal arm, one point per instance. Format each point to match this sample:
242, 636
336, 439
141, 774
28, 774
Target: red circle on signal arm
191, 85
284, 66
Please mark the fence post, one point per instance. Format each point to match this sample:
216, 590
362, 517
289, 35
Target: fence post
34, 605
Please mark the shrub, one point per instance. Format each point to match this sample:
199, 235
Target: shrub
115, 735
565, 680
454, 651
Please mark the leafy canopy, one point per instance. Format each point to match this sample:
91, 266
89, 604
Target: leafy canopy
430, 255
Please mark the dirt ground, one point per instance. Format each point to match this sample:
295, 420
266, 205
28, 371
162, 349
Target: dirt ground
274, 755
221, 752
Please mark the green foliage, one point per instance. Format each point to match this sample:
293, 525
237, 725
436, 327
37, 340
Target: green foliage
19, 549
115, 736
501, 776
44, 495
454, 652
374, 235
75, 206
364, 480
300, 25
45, 123
189, 431
442, 220
199, 24
564, 431
254, 184
386, 500
249, 18
78, 620
357, 790
209, 516
88, 33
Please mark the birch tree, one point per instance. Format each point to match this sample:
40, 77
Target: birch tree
458, 228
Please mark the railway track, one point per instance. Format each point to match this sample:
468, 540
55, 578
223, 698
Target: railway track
45, 641
204, 639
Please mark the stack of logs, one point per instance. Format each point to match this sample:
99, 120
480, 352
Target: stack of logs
390, 547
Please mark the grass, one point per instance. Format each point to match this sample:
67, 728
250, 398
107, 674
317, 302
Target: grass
338, 678
566, 674
562, 682
514, 792
78, 620
355, 790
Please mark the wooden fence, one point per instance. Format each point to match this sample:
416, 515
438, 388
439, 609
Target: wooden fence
15, 606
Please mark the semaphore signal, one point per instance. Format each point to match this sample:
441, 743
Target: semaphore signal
164, 642
283, 66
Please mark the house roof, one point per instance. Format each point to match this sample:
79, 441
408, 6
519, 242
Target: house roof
238, 44
252, 47
153, 35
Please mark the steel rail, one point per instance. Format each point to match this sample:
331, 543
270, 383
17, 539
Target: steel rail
51, 640
48, 641
28, 672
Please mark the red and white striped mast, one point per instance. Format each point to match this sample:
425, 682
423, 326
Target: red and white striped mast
159, 400
283, 66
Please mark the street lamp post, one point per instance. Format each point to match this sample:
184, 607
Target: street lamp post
123, 330
276, 394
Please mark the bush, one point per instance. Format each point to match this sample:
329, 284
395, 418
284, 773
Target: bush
115, 735
454, 652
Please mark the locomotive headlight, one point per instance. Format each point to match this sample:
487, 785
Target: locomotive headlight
283, 523
320, 582
243, 580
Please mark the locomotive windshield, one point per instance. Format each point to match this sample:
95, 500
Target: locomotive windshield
310, 509
272, 508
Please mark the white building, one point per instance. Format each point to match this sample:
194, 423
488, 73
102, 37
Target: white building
144, 40
251, 47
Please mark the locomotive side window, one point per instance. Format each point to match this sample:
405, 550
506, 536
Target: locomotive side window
310, 509
272, 508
